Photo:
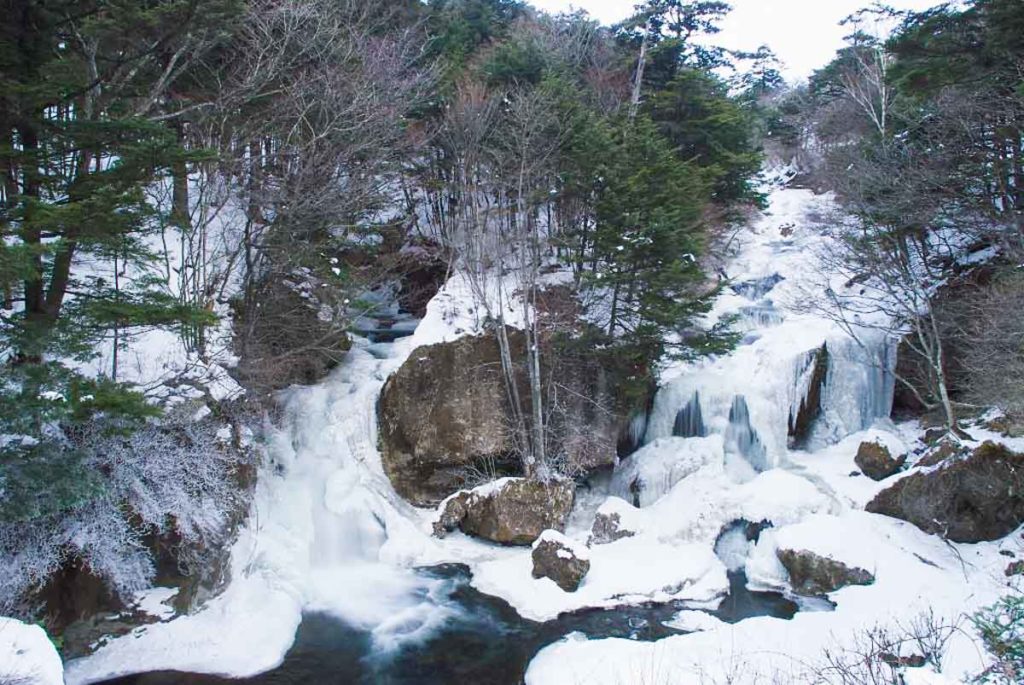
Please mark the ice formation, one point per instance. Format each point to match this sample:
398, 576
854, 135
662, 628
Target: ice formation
752, 395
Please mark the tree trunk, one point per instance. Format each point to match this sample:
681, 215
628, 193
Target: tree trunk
638, 80
34, 298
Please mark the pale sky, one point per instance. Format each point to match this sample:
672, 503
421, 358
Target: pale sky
804, 33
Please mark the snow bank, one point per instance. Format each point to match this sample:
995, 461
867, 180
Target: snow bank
686, 571
915, 573
27, 657
690, 621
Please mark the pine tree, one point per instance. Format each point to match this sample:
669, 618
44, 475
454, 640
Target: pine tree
82, 85
710, 129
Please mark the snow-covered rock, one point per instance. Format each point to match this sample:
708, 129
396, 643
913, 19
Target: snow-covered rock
876, 462
615, 519
27, 657
979, 497
511, 511
814, 574
560, 559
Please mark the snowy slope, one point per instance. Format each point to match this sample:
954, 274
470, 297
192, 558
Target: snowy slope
27, 657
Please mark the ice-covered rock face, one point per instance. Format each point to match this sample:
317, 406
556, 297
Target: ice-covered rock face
655, 468
779, 388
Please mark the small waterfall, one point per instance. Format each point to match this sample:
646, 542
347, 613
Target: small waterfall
689, 421
742, 439
760, 315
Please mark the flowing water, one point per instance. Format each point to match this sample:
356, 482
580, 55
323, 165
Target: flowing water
484, 641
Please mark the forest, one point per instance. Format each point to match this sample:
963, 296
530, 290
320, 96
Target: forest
457, 277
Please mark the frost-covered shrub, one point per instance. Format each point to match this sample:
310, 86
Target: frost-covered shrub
1001, 627
175, 476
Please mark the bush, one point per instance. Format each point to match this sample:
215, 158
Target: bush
1001, 627
174, 476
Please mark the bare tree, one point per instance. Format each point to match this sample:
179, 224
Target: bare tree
990, 337
312, 123
866, 84
875, 279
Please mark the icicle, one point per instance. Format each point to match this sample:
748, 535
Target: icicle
742, 439
689, 421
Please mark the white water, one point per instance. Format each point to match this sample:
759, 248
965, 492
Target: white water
327, 533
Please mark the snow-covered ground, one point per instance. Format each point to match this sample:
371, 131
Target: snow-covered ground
27, 657
328, 533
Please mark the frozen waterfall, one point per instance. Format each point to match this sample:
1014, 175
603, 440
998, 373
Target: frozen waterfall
793, 369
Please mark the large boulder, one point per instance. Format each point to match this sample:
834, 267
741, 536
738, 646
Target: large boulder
616, 519
510, 511
811, 574
445, 415
560, 559
971, 499
876, 462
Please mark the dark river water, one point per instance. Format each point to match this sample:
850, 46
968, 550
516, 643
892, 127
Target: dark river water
486, 643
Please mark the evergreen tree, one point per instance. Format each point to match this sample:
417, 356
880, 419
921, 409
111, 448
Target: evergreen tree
708, 128
648, 233
81, 87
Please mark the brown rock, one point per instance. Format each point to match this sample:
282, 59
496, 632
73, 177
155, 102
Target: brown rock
813, 574
875, 461
1007, 426
556, 557
1015, 568
977, 498
513, 511
940, 451
608, 528
807, 413
445, 413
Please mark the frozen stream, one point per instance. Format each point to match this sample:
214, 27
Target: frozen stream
337, 580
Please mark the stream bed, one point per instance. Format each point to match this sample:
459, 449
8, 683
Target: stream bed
485, 641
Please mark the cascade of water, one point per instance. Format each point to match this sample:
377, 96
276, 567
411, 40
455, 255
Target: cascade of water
760, 315
689, 421
796, 379
742, 439
757, 288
